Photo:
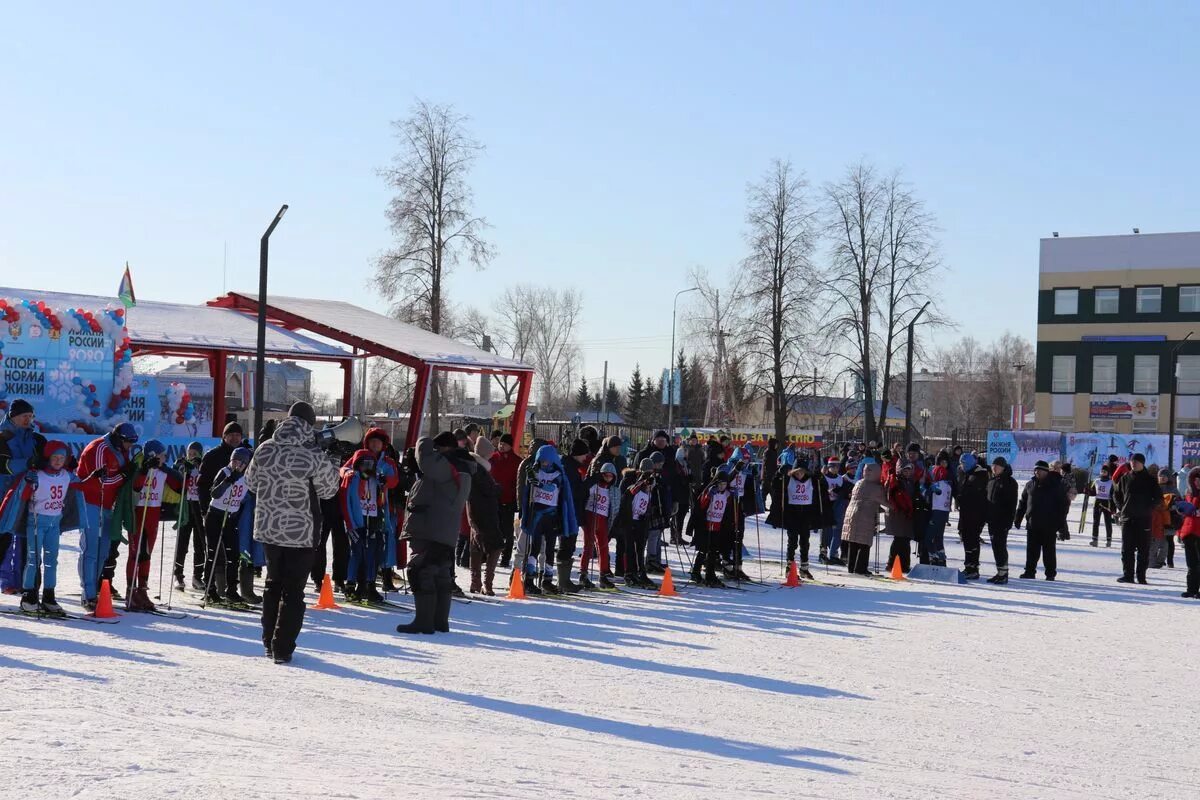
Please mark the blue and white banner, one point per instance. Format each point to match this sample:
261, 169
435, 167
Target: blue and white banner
1090, 450
1023, 449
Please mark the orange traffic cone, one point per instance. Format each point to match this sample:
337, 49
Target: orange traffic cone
104, 609
325, 598
793, 578
516, 587
897, 572
667, 587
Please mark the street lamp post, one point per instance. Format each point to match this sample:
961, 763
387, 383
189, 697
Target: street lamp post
908, 384
260, 363
925, 415
1174, 391
671, 366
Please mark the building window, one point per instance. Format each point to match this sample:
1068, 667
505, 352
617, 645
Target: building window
1066, 302
1065, 424
1104, 374
1189, 428
1104, 425
1189, 299
1149, 299
1145, 426
1108, 301
1189, 375
1145, 374
1063, 378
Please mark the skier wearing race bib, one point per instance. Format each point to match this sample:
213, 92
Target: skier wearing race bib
712, 528
603, 502
221, 526
574, 468
840, 486
804, 506
41, 496
638, 490
149, 483
363, 505
191, 518
1102, 489
110, 459
941, 496
547, 513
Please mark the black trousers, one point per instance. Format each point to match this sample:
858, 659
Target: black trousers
971, 546
193, 531
1042, 544
1191, 552
999, 536
333, 526
508, 513
431, 564
221, 538
635, 548
1101, 510
1135, 548
110, 563
920, 523
901, 549
288, 571
798, 537
857, 557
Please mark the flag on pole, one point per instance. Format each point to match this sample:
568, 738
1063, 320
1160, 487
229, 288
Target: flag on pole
125, 292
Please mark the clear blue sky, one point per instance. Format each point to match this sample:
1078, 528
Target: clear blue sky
620, 138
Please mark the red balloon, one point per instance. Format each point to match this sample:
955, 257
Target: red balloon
120, 312
91, 387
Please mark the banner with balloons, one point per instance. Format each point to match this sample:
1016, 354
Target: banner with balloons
73, 364
171, 406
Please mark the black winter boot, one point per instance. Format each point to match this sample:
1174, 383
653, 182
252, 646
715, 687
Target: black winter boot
246, 585
424, 609
443, 599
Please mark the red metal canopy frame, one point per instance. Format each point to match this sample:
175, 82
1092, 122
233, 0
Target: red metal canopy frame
218, 358
423, 369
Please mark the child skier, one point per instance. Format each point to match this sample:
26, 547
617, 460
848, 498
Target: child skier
547, 511
804, 507
149, 484
603, 503
840, 486
638, 489
941, 493
221, 527
1189, 533
190, 524
41, 496
110, 458
712, 527
363, 501
1101, 489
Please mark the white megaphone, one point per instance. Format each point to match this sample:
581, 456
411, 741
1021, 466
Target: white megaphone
349, 430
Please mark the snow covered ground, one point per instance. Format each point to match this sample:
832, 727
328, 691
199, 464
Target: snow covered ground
1081, 688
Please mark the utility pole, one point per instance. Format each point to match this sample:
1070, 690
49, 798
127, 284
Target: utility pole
908, 383
604, 395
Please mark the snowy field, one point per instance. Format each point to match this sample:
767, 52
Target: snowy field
1081, 688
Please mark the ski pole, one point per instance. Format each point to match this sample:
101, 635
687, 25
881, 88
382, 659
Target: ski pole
758, 536
212, 555
161, 555
141, 536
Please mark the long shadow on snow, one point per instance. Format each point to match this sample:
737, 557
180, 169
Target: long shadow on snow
673, 738
12, 663
18, 637
756, 682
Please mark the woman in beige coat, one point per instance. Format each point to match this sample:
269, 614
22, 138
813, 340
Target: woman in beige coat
862, 519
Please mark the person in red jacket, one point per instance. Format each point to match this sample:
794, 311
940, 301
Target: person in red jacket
1189, 533
379, 444
149, 484
505, 467
109, 459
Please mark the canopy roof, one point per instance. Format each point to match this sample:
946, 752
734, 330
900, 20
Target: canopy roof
375, 333
184, 328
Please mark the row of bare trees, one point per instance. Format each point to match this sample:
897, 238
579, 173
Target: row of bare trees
832, 278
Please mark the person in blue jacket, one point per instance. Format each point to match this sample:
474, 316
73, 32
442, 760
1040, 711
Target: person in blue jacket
364, 506
547, 514
20, 449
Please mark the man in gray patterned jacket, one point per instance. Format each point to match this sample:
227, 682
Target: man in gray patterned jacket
289, 476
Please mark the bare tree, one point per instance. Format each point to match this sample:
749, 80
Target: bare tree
552, 349
777, 294
882, 268
431, 218
713, 332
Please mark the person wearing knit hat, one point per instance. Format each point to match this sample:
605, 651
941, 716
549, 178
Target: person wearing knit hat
639, 493
1136, 497
191, 519
304, 411
505, 465
547, 513
1002, 491
574, 468
840, 486
21, 447
35, 507
150, 483
600, 508
1043, 506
